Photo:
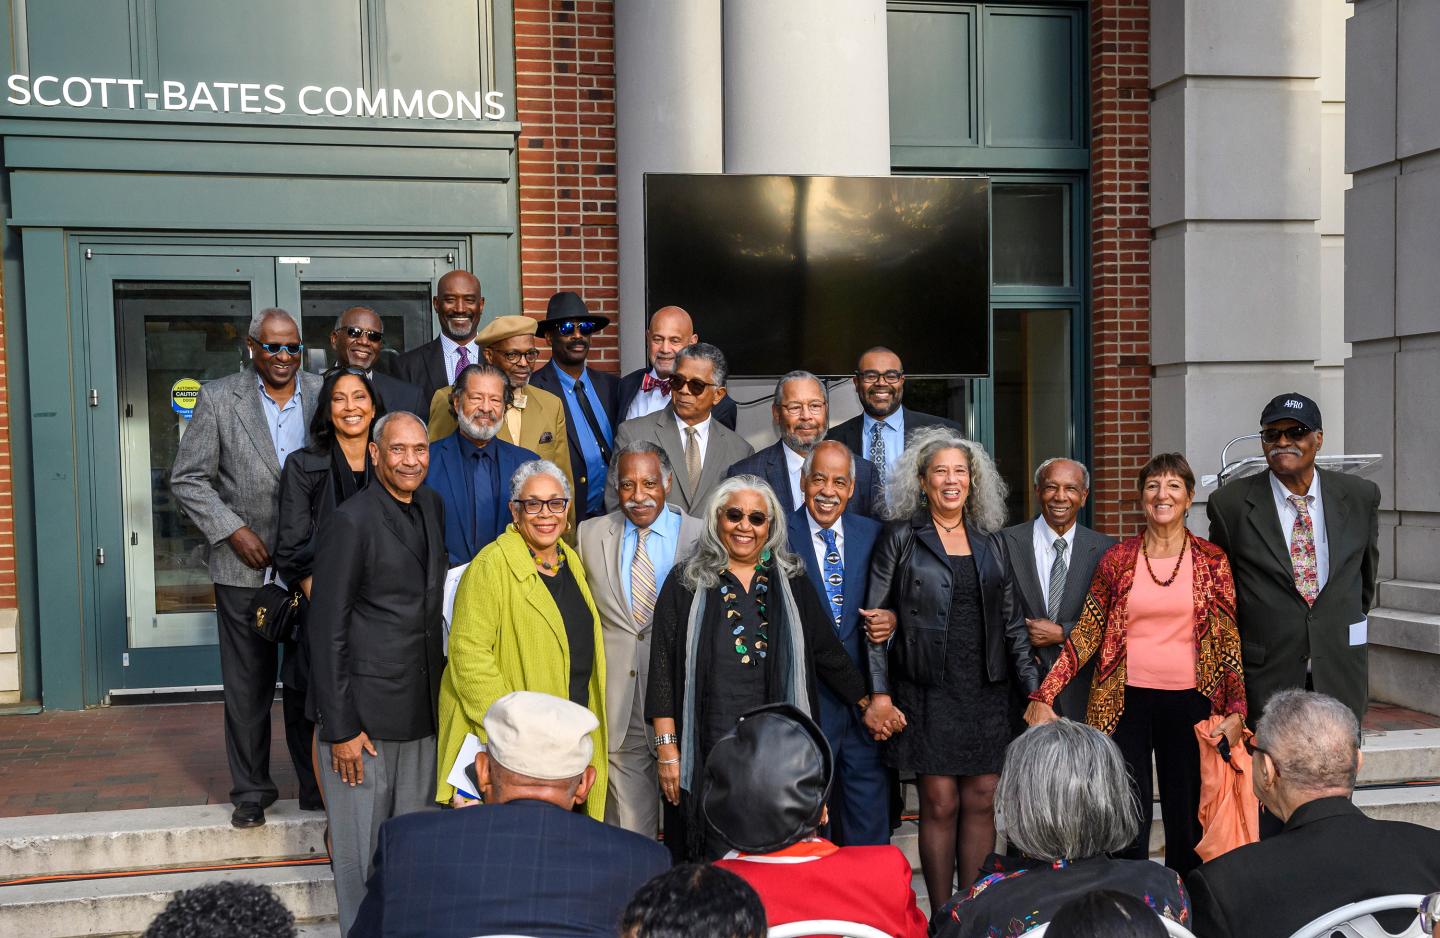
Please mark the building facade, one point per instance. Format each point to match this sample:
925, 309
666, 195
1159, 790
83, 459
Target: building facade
1164, 219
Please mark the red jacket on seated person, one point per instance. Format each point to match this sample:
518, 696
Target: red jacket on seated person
815, 879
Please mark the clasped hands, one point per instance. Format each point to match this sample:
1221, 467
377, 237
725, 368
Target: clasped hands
882, 718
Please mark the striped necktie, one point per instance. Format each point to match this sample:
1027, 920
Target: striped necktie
1058, 569
642, 584
1305, 566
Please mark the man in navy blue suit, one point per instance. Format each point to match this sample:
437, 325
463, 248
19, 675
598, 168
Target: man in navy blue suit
524, 863
835, 547
800, 413
471, 468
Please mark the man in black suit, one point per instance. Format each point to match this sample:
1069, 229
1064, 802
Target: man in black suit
591, 397
357, 339
525, 863
648, 389
1054, 557
879, 433
374, 627
800, 414
1303, 546
1307, 754
458, 305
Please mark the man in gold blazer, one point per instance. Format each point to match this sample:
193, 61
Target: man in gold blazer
627, 556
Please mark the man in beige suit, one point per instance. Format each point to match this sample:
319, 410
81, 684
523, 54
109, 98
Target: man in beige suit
627, 556
700, 448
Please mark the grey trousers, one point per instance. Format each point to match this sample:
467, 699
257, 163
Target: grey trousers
633, 799
399, 779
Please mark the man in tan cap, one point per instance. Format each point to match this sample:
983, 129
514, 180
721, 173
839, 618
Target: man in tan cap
524, 863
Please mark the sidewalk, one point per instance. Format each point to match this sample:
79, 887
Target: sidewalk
174, 754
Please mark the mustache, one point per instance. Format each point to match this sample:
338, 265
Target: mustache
635, 503
1285, 451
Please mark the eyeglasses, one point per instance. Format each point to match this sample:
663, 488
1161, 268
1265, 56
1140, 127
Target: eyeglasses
275, 348
695, 386
758, 519
796, 408
871, 376
514, 357
1430, 912
356, 332
1272, 435
533, 506
570, 327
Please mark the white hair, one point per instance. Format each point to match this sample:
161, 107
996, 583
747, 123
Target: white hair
1040, 469
905, 494
257, 321
378, 431
709, 558
1313, 738
533, 468
809, 462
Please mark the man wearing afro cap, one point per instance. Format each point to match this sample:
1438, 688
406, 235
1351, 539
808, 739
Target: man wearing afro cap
766, 784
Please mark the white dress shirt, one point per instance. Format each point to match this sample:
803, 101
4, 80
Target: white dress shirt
451, 351
793, 462
1286, 510
647, 402
702, 435
817, 541
1044, 539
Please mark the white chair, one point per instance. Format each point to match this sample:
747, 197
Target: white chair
1357, 920
1172, 928
826, 926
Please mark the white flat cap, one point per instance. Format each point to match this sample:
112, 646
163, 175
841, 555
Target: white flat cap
539, 735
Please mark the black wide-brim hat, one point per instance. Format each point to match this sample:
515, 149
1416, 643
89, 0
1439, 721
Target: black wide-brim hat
767, 781
567, 305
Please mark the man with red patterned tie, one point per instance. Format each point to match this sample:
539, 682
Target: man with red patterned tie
648, 389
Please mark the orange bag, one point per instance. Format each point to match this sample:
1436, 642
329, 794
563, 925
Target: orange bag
1229, 810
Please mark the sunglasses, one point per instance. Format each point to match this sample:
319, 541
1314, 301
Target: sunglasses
514, 357
758, 519
695, 386
356, 332
1295, 434
275, 348
570, 327
533, 506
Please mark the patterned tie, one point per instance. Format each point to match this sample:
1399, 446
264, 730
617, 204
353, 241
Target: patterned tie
877, 448
692, 455
1302, 550
642, 584
834, 574
462, 361
1058, 569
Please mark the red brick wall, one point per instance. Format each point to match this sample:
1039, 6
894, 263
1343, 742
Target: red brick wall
565, 102
1120, 256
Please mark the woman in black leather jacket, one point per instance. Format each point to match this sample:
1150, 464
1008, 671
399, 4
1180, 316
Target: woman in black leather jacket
959, 642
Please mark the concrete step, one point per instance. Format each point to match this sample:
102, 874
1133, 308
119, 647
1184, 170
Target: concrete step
1412, 595
153, 838
1404, 628
127, 905
1417, 804
1399, 756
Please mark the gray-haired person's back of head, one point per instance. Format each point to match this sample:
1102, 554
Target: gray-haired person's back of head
1313, 739
1064, 793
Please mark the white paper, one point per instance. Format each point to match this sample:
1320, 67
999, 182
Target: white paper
1360, 632
457, 776
447, 609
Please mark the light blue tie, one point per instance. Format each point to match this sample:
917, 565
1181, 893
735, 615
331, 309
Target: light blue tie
834, 574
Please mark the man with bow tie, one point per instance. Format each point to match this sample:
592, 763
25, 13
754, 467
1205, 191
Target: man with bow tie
648, 389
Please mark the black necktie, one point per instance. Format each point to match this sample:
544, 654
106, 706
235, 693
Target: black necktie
584, 401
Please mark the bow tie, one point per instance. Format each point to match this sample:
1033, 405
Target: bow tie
651, 383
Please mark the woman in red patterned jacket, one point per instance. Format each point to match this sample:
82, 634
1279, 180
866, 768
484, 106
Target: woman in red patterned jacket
1161, 614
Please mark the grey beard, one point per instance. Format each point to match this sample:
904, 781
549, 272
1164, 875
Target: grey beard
476, 430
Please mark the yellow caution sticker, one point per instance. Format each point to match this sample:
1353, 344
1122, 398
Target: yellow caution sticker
183, 395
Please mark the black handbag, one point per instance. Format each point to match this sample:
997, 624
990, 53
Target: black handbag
275, 612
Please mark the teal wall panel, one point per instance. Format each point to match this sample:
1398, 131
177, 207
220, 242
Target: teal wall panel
1033, 77
932, 66
431, 44
313, 42
102, 48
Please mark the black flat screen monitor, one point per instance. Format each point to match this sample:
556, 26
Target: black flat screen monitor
786, 272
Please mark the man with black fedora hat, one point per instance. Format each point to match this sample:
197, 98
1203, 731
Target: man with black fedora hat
1302, 543
591, 397
766, 784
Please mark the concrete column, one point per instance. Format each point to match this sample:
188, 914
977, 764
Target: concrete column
668, 118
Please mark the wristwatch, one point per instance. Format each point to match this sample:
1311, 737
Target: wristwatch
667, 739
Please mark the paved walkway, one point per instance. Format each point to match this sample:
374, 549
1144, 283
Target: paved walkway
174, 754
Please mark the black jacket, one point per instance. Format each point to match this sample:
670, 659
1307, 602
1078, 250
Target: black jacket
399, 394
851, 430
308, 497
725, 411
770, 465
910, 574
607, 388
1329, 855
374, 624
424, 367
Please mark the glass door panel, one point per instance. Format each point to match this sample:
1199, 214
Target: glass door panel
1032, 397
404, 310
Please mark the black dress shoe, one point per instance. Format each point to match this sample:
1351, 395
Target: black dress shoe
312, 804
247, 814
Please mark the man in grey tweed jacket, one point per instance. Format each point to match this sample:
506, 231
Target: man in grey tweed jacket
227, 479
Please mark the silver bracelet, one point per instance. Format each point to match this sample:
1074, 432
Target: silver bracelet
667, 739
669, 761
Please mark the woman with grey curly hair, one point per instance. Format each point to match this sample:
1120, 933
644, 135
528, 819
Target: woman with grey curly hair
960, 643
737, 625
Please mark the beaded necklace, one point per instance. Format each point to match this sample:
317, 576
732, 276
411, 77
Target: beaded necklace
751, 649
557, 566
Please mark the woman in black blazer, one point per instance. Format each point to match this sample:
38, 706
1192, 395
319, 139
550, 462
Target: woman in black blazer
313, 481
960, 640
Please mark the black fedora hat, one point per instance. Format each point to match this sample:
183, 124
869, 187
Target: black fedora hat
567, 306
766, 782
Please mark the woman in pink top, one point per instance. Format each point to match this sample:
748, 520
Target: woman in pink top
1161, 614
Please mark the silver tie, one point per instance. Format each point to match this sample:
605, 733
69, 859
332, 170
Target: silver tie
1057, 580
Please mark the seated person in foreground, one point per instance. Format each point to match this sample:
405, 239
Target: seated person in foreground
525, 862
1106, 914
1307, 754
1064, 802
765, 790
227, 909
694, 900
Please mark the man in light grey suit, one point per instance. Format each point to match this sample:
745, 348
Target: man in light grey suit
627, 555
1054, 558
227, 479
700, 449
